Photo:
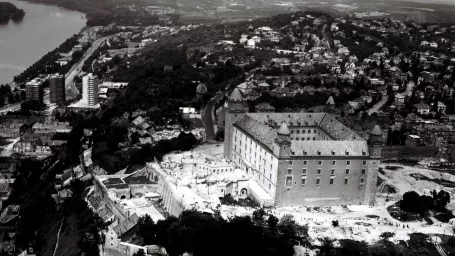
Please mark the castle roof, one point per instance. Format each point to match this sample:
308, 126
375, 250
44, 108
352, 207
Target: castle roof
236, 95
265, 127
284, 130
201, 88
330, 101
376, 131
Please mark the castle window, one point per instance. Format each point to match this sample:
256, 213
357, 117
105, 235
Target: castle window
290, 162
333, 153
270, 186
364, 153
303, 181
319, 162
346, 181
347, 153
332, 172
304, 172
318, 181
270, 176
292, 131
288, 181
331, 181
303, 131
314, 138
304, 153
289, 171
309, 131
364, 162
319, 153
314, 131
319, 171
348, 162
363, 171
347, 171
334, 162
298, 131
305, 162
362, 180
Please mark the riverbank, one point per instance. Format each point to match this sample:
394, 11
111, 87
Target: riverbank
44, 29
104, 12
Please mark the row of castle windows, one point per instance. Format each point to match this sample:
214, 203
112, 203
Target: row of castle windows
320, 162
319, 171
318, 181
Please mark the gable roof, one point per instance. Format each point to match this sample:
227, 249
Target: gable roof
236, 95
126, 225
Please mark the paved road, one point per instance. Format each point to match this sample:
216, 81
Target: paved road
378, 105
208, 115
71, 91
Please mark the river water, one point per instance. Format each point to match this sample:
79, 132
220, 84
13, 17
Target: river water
43, 28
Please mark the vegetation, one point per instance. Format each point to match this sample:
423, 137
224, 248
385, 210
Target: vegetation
202, 234
413, 202
47, 64
10, 11
105, 12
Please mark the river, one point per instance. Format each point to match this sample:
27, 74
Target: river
43, 28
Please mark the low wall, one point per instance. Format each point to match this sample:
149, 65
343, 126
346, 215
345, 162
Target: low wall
407, 153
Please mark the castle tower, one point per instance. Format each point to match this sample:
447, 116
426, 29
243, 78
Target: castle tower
284, 141
374, 144
235, 107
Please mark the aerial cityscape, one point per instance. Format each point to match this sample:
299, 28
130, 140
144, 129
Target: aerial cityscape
227, 127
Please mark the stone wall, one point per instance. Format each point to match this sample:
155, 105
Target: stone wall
171, 203
324, 193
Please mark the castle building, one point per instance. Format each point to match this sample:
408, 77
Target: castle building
302, 158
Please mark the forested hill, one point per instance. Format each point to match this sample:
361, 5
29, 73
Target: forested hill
10, 11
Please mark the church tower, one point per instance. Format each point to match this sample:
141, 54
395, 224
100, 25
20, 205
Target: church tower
374, 145
235, 107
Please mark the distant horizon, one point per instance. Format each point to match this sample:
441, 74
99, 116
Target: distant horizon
448, 2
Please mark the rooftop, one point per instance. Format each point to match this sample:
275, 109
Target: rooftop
236, 95
264, 128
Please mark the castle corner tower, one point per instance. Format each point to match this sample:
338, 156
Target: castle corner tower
235, 107
374, 144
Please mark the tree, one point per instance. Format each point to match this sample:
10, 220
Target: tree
441, 199
258, 215
272, 221
410, 202
139, 253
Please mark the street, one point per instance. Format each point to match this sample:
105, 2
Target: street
208, 115
378, 105
72, 91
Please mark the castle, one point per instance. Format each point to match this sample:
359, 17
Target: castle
302, 158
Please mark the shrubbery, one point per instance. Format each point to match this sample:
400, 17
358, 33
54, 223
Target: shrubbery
202, 234
413, 202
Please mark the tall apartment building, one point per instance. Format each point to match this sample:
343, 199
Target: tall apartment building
34, 90
302, 158
90, 90
57, 89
